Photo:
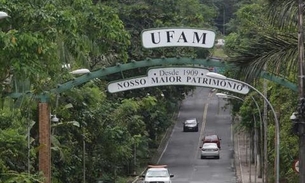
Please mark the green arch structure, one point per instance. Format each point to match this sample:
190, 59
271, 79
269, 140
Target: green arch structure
211, 62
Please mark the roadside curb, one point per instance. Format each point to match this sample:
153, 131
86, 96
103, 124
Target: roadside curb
246, 171
236, 156
238, 167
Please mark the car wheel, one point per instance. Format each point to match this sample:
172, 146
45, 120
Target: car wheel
202, 157
184, 129
217, 157
196, 129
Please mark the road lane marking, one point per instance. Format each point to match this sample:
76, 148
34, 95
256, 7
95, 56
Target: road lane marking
231, 132
204, 120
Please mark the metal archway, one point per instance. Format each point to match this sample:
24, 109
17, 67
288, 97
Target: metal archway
163, 62
210, 62
43, 108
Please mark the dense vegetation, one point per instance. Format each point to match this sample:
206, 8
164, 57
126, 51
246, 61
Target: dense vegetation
263, 35
119, 131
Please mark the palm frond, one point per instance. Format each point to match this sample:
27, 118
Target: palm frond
278, 51
283, 13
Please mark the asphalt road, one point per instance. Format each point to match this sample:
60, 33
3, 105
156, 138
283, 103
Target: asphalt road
182, 153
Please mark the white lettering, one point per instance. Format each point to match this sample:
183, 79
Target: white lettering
177, 76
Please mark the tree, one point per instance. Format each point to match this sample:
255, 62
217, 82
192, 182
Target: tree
41, 37
269, 39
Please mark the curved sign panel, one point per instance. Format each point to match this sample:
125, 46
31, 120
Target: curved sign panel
177, 76
170, 37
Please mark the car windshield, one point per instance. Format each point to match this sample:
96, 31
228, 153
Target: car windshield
209, 145
190, 122
211, 137
157, 173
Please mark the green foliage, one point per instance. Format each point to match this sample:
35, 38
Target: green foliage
13, 147
37, 43
265, 34
15, 177
261, 39
146, 14
288, 142
110, 134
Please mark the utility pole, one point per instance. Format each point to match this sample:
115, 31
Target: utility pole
301, 107
44, 140
265, 119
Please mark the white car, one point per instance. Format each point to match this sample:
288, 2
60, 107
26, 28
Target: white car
157, 173
220, 42
210, 150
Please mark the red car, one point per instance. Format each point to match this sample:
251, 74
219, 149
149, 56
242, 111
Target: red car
212, 139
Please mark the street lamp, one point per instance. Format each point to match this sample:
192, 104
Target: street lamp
295, 123
80, 71
301, 89
277, 126
223, 95
54, 118
3, 14
45, 132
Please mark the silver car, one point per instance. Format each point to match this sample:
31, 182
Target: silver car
209, 150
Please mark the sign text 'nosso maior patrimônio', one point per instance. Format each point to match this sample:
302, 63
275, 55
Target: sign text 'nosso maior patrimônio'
190, 76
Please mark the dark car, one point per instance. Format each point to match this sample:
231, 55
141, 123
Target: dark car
212, 139
190, 125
